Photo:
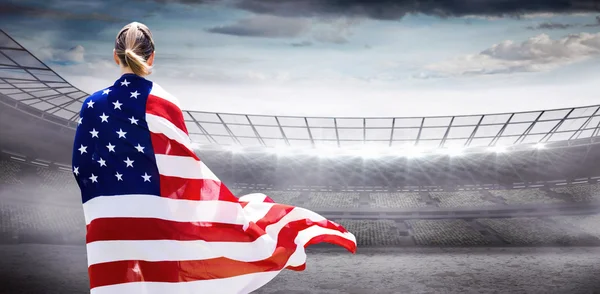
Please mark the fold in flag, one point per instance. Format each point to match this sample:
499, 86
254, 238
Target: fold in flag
159, 221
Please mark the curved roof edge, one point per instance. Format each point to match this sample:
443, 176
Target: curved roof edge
35, 88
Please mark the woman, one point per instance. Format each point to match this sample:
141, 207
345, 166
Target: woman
158, 220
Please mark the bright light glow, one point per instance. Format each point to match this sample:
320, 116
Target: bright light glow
327, 151
498, 149
282, 150
412, 151
540, 146
452, 151
235, 148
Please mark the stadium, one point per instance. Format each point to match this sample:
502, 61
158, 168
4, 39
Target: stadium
472, 203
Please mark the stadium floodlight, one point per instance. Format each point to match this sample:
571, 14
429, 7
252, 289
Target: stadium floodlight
498, 149
539, 146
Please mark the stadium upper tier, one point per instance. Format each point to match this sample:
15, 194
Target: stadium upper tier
28, 84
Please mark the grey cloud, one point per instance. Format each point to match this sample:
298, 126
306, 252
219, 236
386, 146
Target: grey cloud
563, 26
551, 26
539, 53
265, 26
302, 44
396, 9
11, 10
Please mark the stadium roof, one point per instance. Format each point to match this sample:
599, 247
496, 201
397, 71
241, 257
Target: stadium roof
28, 81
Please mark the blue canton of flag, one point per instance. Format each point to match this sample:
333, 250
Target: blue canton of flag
112, 153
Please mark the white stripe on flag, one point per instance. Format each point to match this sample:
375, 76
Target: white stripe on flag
258, 197
158, 91
152, 206
172, 250
161, 125
183, 167
299, 256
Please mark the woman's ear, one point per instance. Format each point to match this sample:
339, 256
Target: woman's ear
116, 58
150, 60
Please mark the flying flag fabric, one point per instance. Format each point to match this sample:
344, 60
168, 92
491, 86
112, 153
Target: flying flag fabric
159, 221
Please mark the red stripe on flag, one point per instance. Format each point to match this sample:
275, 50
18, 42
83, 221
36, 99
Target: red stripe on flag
163, 145
128, 271
194, 189
164, 108
121, 228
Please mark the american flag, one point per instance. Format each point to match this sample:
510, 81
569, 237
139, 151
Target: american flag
159, 221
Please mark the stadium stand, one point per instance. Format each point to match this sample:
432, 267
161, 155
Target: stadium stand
333, 199
284, 197
372, 232
590, 224
9, 171
460, 199
525, 196
533, 232
395, 200
579, 193
445, 233
27, 222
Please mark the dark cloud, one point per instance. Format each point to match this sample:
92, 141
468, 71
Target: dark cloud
396, 9
12, 10
563, 26
265, 26
302, 44
552, 26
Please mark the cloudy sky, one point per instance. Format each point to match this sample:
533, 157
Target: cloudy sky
333, 57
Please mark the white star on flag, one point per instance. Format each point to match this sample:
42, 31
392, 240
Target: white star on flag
140, 148
104, 117
76, 170
94, 178
105, 92
117, 105
111, 147
125, 83
133, 120
80, 120
121, 133
146, 177
119, 176
134, 94
102, 162
94, 133
90, 104
82, 149
129, 162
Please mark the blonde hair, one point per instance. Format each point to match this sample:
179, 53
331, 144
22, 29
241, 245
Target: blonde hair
134, 45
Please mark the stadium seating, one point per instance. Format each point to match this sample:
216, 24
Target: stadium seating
42, 223
460, 199
9, 171
445, 233
372, 232
396, 200
589, 224
525, 196
580, 193
42, 206
284, 197
333, 199
529, 231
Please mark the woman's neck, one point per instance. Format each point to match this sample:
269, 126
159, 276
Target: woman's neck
126, 70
